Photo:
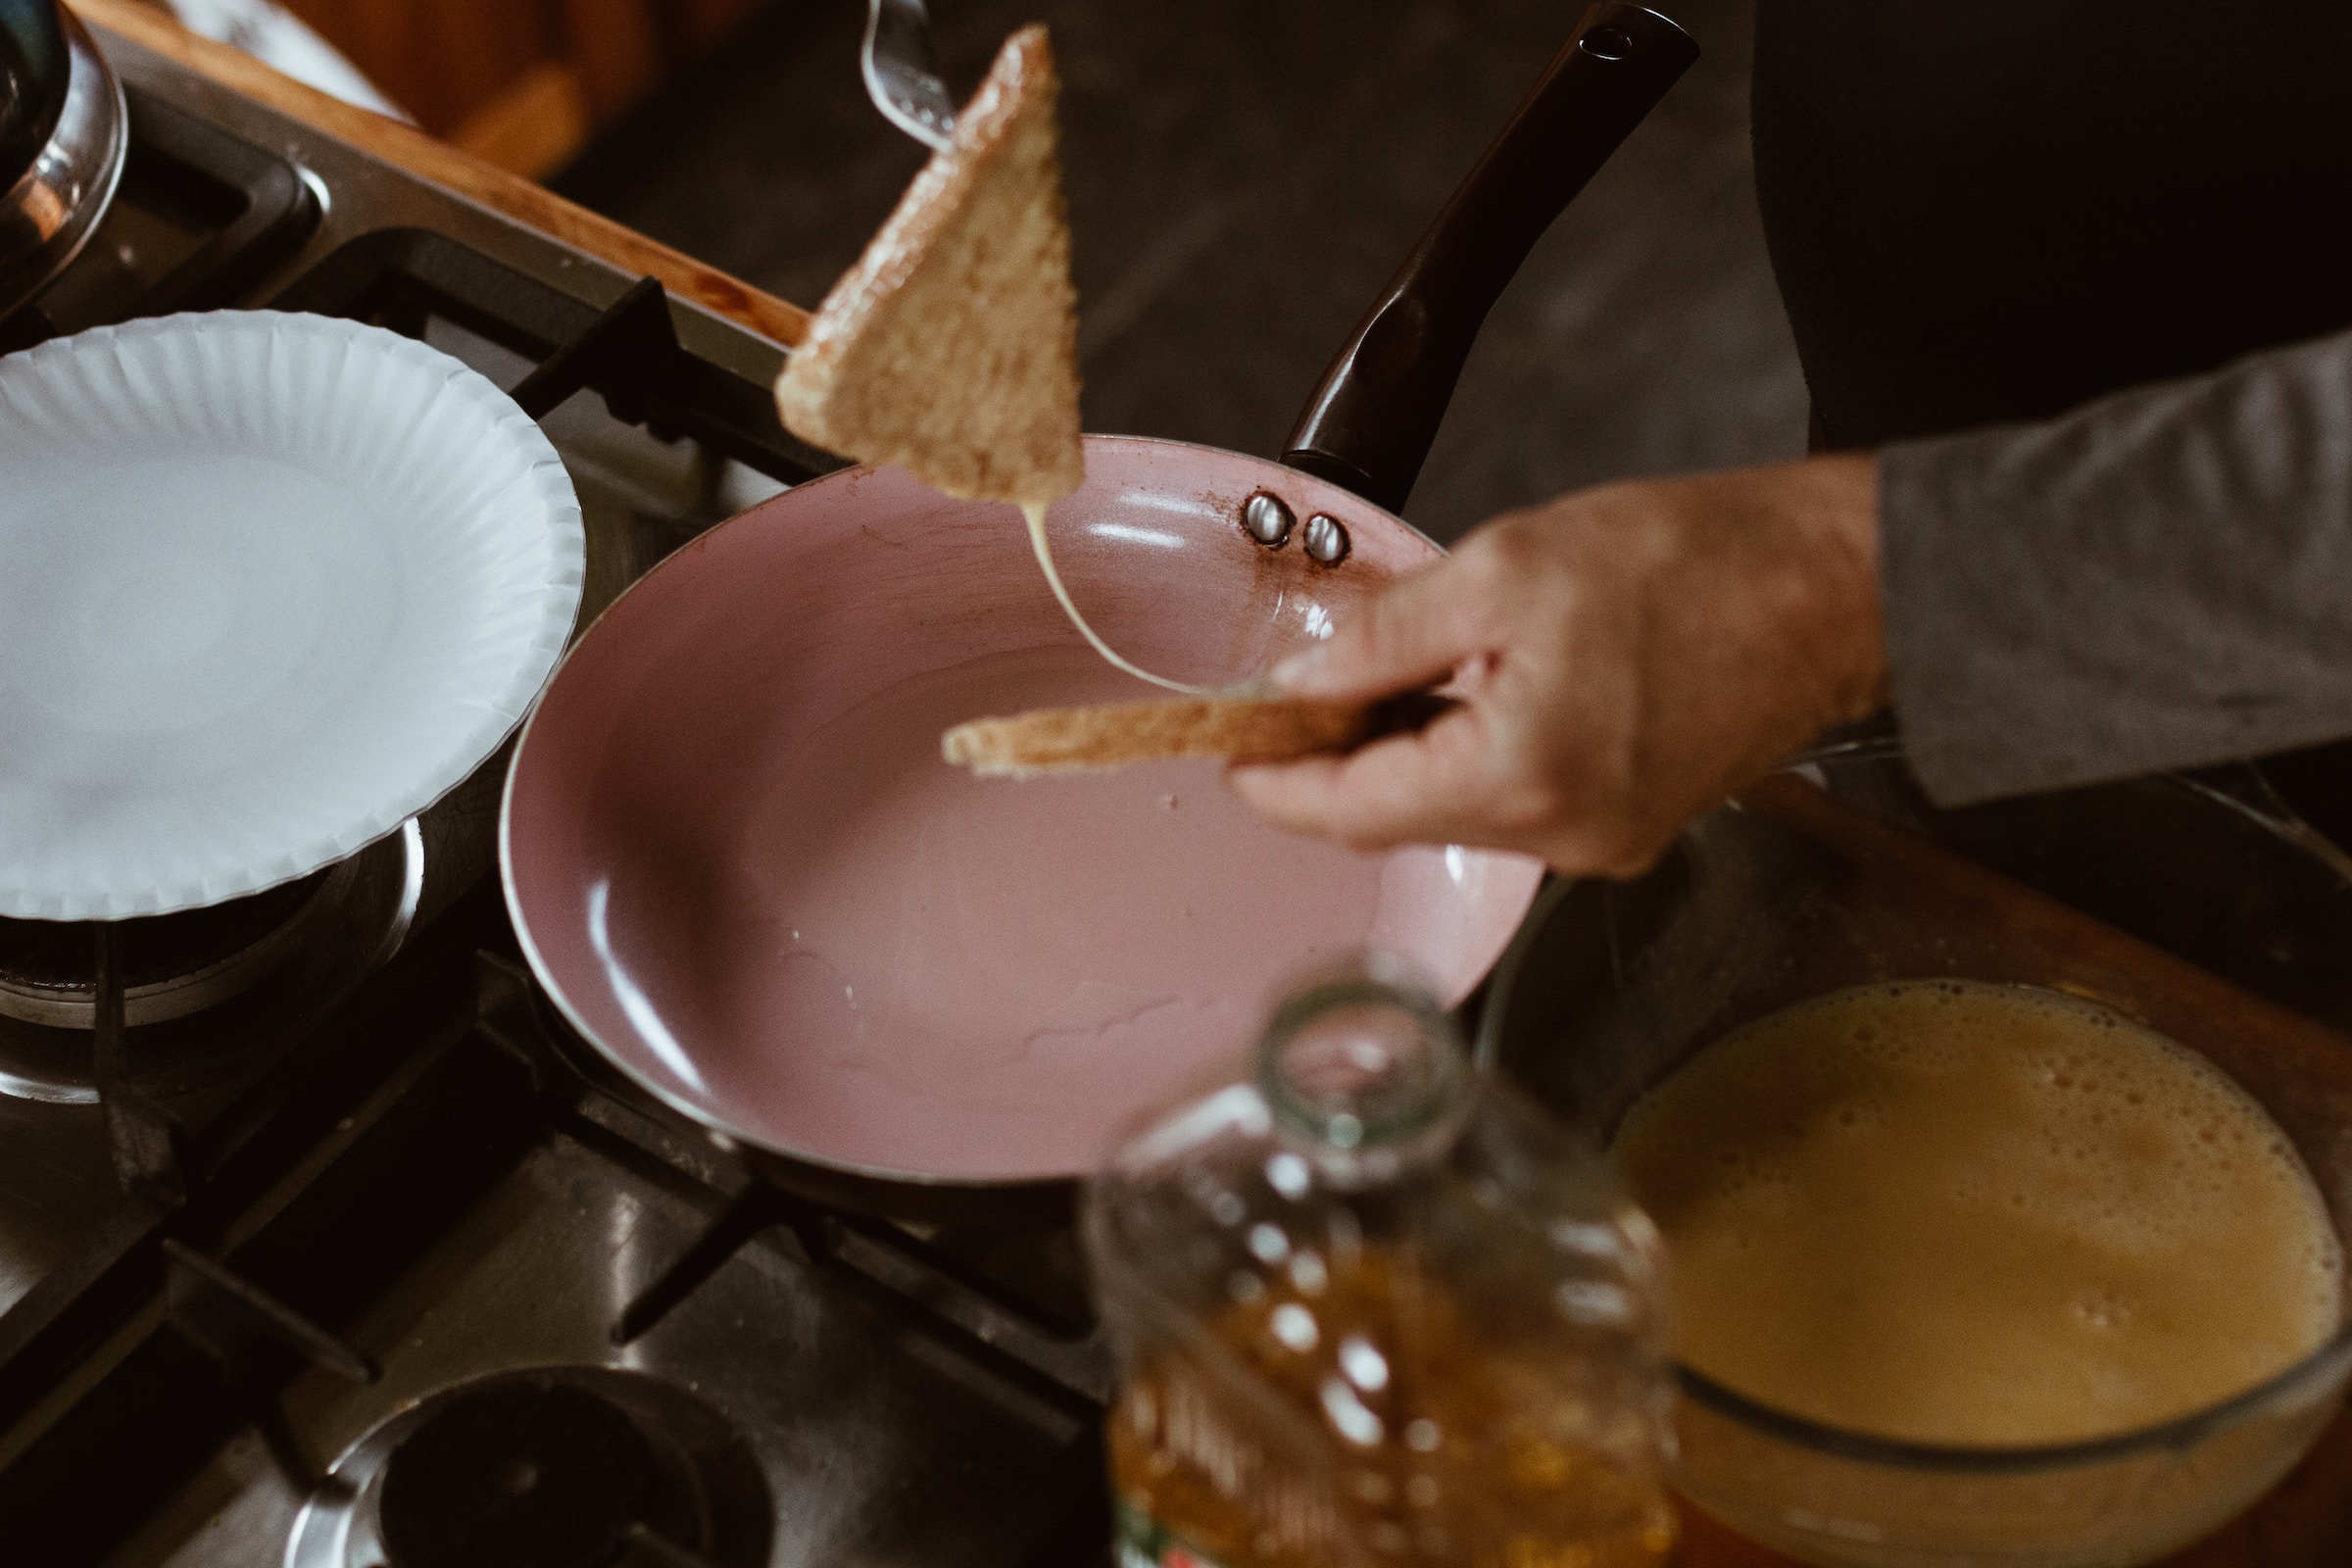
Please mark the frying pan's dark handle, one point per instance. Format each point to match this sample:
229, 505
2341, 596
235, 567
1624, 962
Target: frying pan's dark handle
1370, 423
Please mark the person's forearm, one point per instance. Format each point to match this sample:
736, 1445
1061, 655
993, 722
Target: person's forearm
2160, 579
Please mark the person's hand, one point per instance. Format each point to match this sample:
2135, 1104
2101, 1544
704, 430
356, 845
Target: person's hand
1628, 657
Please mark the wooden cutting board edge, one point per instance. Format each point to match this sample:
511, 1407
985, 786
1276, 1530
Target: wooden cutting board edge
436, 161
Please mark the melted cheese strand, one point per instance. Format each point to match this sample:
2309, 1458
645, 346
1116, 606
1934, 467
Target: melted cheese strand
1036, 514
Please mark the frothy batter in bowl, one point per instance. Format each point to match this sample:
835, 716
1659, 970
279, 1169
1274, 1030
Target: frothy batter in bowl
1978, 1215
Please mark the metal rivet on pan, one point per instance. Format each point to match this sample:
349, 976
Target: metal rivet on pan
1606, 43
1326, 539
1266, 519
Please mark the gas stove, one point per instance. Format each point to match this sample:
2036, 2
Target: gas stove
321, 1241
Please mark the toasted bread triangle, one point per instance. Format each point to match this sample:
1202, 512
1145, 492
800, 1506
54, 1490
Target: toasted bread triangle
951, 349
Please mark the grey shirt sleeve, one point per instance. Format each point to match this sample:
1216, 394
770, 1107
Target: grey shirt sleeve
2162, 578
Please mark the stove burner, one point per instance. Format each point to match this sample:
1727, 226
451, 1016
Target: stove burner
173, 964
520, 1475
241, 981
555, 1467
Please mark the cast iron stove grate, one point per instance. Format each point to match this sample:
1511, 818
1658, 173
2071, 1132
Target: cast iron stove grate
200, 216
266, 1303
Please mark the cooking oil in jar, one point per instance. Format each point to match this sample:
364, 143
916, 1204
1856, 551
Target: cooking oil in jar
1373, 1309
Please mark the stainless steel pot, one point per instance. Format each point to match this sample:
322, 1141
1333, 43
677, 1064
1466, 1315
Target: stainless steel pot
62, 134
32, 80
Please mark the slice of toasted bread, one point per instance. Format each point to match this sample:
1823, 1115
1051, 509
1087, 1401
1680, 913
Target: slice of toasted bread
951, 347
1238, 728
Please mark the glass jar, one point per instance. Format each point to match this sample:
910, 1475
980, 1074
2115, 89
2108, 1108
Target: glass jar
1372, 1307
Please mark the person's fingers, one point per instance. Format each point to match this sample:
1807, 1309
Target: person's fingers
1411, 634
1418, 788
1296, 795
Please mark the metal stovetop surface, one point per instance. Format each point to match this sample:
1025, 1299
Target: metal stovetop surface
469, 1218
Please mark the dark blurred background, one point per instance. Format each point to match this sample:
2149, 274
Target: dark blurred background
1242, 177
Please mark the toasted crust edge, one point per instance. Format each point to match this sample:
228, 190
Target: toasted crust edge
1108, 735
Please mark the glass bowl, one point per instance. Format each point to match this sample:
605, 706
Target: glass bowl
2200, 905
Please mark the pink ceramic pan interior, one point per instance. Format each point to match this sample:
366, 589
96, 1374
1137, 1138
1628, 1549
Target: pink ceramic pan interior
740, 865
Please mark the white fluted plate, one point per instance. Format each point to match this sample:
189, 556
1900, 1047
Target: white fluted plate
270, 584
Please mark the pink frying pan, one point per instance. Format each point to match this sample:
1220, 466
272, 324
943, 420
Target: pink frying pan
742, 870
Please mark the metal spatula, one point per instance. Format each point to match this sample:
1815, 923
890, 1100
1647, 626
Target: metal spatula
901, 74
